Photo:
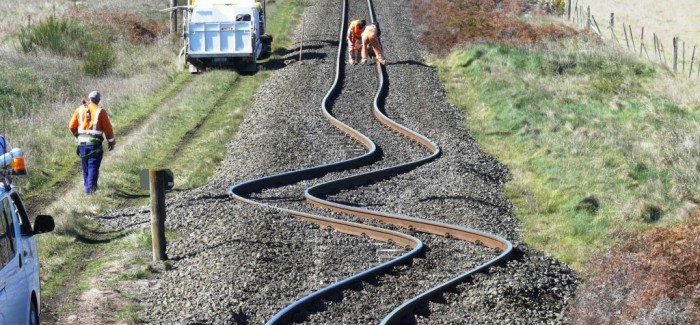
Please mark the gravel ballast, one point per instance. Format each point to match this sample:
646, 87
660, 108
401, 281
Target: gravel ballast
239, 264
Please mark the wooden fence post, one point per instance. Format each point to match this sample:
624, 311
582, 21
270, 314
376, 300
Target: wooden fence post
588, 21
568, 10
612, 28
692, 60
675, 54
173, 17
662, 52
624, 28
634, 45
683, 56
157, 188
596, 26
643, 47
656, 47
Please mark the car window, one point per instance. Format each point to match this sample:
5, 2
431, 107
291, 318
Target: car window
24, 226
7, 234
10, 223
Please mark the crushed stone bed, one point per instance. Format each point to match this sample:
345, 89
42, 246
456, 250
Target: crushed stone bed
240, 264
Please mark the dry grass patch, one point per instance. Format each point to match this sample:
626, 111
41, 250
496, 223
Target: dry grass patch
469, 21
653, 278
665, 18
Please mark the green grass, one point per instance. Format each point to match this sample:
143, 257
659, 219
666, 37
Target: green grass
130, 314
208, 146
82, 252
192, 120
68, 37
60, 164
57, 165
18, 86
573, 123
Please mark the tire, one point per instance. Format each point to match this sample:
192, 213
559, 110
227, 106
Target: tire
33, 314
248, 68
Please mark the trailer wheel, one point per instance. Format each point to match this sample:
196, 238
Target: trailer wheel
193, 69
266, 52
249, 68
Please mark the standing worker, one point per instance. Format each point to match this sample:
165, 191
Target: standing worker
370, 38
355, 39
90, 125
261, 13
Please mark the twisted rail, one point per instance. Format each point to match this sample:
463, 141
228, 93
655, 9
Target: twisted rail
313, 194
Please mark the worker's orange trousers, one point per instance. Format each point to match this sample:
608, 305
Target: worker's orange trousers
354, 51
369, 37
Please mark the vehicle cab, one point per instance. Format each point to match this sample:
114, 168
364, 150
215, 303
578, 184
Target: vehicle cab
20, 294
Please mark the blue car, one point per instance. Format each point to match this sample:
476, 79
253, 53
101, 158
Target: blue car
20, 294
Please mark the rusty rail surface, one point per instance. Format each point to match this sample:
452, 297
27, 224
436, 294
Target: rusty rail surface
315, 193
241, 191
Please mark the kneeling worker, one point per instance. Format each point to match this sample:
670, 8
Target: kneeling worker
354, 39
370, 38
90, 125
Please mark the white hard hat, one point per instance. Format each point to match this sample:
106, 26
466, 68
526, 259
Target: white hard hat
95, 95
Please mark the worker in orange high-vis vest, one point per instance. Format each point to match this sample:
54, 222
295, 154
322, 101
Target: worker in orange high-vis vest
370, 41
91, 126
355, 39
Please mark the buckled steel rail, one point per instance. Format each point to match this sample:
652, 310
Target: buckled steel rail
316, 193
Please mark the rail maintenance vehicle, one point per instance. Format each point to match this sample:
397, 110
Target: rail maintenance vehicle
225, 33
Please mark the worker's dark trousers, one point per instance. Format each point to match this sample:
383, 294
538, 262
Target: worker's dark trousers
91, 167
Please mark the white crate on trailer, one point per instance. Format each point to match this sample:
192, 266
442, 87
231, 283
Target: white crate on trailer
225, 32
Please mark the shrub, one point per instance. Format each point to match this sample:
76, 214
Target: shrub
100, 58
24, 39
558, 6
58, 36
69, 37
464, 21
652, 279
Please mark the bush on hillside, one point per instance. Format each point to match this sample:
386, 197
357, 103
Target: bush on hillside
138, 31
57, 36
100, 59
450, 23
89, 36
652, 279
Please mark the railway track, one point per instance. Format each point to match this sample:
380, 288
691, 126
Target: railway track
286, 192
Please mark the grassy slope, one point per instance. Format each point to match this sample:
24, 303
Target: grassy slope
40, 90
595, 147
196, 129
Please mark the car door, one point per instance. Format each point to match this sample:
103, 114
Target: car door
13, 286
27, 243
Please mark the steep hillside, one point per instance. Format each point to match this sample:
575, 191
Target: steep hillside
603, 145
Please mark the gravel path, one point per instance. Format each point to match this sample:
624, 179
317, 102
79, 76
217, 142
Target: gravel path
238, 264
